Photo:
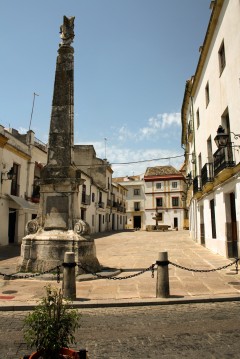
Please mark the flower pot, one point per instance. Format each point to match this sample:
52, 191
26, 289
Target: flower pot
65, 351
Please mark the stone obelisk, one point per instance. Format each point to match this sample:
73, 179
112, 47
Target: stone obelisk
58, 227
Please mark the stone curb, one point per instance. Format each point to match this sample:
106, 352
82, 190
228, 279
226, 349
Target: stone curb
130, 303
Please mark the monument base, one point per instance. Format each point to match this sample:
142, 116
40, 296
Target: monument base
45, 250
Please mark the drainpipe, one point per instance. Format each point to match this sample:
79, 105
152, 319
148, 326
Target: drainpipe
195, 170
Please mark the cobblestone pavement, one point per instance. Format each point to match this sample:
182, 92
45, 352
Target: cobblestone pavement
199, 331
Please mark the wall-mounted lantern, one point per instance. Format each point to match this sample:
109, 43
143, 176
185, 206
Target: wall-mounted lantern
222, 138
188, 180
10, 175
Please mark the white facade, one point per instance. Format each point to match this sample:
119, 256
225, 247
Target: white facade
102, 203
212, 99
156, 198
164, 194
135, 201
22, 156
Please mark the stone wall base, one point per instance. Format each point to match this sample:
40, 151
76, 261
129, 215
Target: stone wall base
45, 250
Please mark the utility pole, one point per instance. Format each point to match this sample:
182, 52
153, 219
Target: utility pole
34, 94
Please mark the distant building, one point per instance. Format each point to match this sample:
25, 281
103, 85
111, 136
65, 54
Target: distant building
104, 208
135, 201
155, 198
164, 192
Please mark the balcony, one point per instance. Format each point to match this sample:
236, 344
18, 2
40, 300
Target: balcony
100, 204
86, 199
197, 186
207, 175
223, 159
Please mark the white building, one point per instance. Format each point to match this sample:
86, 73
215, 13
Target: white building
102, 203
164, 192
211, 100
156, 198
21, 159
135, 200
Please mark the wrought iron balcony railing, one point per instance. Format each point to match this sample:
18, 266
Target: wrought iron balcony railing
207, 173
223, 158
86, 199
197, 184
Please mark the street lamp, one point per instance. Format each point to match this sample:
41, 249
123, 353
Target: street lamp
10, 175
222, 138
188, 179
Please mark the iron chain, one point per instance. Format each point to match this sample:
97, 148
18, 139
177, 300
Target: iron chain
86, 270
26, 276
118, 278
207, 270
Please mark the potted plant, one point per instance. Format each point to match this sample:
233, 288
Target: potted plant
50, 327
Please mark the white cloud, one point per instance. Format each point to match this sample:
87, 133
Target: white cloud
22, 130
155, 127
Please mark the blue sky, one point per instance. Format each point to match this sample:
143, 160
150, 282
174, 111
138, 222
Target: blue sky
132, 60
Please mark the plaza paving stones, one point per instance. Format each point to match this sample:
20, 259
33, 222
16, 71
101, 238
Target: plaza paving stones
132, 252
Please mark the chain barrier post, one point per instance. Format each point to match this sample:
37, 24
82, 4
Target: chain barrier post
69, 282
162, 288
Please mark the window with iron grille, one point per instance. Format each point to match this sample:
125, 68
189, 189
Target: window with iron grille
136, 206
207, 96
221, 58
175, 201
159, 202
174, 184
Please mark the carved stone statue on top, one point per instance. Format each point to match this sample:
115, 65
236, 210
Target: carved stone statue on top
67, 30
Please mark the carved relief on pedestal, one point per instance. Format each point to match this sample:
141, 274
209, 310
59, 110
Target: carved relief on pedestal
32, 226
81, 227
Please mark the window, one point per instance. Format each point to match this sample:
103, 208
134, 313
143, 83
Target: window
136, 206
159, 202
175, 201
158, 185
93, 197
160, 217
174, 184
136, 191
14, 185
198, 118
221, 58
207, 97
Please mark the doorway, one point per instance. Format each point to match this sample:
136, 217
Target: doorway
175, 222
11, 225
232, 237
99, 223
213, 220
137, 222
202, 227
